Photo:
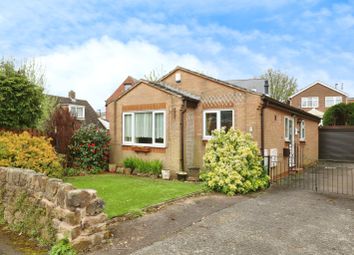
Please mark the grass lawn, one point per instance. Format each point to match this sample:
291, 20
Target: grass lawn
123, 194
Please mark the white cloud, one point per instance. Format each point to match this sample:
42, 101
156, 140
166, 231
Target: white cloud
346, 21
95, 69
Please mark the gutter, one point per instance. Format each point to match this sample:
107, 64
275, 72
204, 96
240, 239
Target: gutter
282, 106
183, 110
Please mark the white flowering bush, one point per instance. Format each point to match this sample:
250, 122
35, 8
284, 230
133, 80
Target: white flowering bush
233, 163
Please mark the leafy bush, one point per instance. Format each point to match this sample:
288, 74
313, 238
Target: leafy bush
62, 247
26, 151
143, 166
339, 114
130, 162
20, 97
89, 149
233, 163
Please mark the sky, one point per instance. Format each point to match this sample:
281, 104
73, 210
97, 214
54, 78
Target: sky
92, 46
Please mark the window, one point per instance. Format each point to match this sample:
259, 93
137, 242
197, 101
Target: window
77, 111
144, 128
330, 101
288, 129
127, 86
216, 119
309, 102
302, 131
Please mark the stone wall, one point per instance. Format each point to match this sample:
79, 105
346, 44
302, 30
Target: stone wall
73, 213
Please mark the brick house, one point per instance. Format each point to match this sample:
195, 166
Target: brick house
79, 108
172, 119
317, 98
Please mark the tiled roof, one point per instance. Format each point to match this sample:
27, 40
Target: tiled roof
176, 91
120, 90
255, 85
91, 116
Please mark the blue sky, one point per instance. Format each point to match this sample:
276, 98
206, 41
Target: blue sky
91, 46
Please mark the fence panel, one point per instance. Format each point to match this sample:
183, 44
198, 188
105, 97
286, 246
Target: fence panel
336, 143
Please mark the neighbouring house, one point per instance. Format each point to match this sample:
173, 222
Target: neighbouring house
173, 119
317, 97
80, 109
70, 115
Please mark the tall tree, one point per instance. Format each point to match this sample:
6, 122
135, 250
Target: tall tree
281, 86
20, 97
155, 74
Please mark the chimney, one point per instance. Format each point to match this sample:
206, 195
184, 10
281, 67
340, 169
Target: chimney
266, 87
71, 94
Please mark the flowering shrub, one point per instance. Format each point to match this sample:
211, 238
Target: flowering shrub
26, 151
89, 149
233, 164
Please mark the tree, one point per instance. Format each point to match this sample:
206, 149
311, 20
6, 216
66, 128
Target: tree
20, 97
48, 107
61, 128
281, 86
155, 74
339, 114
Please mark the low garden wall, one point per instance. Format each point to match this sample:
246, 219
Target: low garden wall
49, 209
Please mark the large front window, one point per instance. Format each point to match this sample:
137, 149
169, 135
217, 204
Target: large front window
309, 102
216, 119
144, 128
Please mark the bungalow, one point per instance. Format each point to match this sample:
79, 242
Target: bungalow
172, 120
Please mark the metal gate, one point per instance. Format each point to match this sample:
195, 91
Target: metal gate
325, 177
336, 143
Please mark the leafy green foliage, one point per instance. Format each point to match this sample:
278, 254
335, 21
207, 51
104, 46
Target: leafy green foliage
31, 152
233, 163
70, 171
339, 114
143, 166
89, 149
281, 86
49, 104
62, 247
20, 98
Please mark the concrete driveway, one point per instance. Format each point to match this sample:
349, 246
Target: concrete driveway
277, 221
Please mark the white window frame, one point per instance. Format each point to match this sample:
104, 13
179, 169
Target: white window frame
302, 131
287, 126
77, 106
334, 99
305, 102
153, 144
218, 120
